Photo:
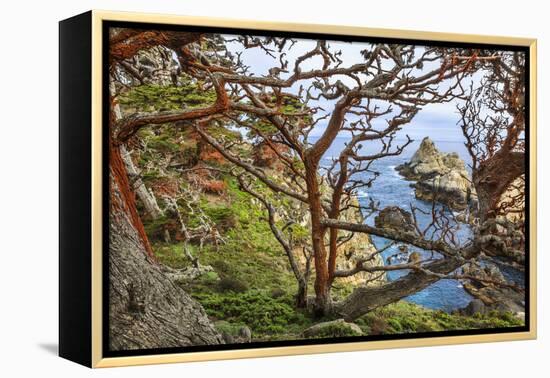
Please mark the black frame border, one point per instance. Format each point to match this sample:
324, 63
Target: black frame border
106, 353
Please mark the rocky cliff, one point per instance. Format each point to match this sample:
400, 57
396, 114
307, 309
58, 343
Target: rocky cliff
360, 247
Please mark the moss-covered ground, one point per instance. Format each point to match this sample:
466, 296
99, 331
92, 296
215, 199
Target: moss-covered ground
252, 284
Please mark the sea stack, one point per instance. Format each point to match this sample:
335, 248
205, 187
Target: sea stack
440, 177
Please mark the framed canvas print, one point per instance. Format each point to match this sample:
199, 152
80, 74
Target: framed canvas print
234, 189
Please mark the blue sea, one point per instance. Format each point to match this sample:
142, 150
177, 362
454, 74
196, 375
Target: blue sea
390, 189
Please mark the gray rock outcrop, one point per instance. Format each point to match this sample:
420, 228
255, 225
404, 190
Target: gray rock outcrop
395, 218
493, 297
476, 306
334, 328
441, 177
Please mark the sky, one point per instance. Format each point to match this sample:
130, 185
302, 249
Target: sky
439, 121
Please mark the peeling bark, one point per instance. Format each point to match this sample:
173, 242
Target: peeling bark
127, 197
128, 42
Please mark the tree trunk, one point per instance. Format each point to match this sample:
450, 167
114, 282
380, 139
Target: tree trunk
365, 299
146, 309
301, 295
493, 177
142, 192
323, 303
127, 196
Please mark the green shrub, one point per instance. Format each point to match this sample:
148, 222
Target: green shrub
151, 97
221, 266
405, 317
232, 284
232, 329
163, 143
378, 327
155, 227
223, 216
395, 325
209, 277
336, 330
259, 311
277, 292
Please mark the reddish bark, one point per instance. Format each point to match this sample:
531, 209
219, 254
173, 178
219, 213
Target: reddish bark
322, 281
129, 42
128, 205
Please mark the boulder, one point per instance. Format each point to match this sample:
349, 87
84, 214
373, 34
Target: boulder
245, 334
476, 306
335, 328
393, 217
233, 333
227, 337
488, 272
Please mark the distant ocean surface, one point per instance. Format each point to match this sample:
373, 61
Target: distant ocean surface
390, 189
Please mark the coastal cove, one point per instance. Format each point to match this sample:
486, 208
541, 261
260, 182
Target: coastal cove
392, 189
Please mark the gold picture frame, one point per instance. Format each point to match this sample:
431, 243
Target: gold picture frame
90, 329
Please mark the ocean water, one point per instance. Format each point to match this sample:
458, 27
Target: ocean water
390, 189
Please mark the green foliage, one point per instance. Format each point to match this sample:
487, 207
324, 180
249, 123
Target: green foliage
219, 132
258, 310
232, 284
163, 143
209, 277
223, 216
230, 328
173, 255
336, 330
221, 266
404, 317
154, 97
277, 292
155, 227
